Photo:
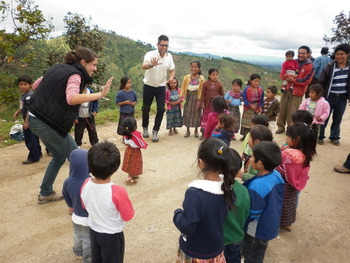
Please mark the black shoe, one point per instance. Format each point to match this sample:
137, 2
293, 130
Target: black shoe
29, 162
279, 132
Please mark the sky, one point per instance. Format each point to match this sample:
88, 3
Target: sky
219, 27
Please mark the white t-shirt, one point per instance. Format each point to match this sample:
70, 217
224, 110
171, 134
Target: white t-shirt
156, 76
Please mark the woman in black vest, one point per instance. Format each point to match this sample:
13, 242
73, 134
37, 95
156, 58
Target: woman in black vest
54, 107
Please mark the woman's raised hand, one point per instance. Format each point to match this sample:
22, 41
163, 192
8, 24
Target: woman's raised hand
106, 88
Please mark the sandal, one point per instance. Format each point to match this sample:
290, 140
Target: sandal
196, 134
187, 134
175, 131
130, 181
170, 133
136, 177
288, 228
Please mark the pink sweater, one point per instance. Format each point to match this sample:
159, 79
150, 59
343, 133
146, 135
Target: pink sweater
321, 111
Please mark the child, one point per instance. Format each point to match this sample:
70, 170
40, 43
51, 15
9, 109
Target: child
206, 204
78, 173
211, 88
271, 107
253, 98
266, 191
290, 68
173, 106
224, 129
317, 106
294, 168
234, 100
258, 133
126, 99
108, 204
219, 105
86, 119
30, 139
246, 150
191, 91
302, 116
132, 163
235, 220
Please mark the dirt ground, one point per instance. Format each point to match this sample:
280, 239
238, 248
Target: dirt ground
43, 233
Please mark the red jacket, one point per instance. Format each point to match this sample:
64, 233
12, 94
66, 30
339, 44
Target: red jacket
305, 75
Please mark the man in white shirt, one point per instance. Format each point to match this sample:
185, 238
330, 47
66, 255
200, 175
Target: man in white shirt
157, 63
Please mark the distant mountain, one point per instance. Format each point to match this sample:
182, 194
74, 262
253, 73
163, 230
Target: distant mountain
204, 55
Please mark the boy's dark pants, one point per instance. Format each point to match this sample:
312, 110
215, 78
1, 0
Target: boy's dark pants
89, 124
107, 247
33, 145
254, 249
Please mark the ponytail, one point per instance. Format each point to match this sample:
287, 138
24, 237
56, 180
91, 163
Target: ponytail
81, 53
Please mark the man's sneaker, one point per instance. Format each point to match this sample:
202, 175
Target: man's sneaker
52, 197
145, 132
155, 136
320, 142
335, 142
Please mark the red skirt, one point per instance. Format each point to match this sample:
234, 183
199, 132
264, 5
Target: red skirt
132, 163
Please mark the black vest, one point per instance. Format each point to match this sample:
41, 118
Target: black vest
49, 104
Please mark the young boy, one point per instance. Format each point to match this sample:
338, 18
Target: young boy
271, 107
78, 173
30, 139
108, 204
266, 191
86, 119
290, 68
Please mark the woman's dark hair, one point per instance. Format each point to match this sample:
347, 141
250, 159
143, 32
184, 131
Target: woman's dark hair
273, 89
129, 125
217, 157
81, 53
252, 77
307, 140
237, 81
103, 159
318, 89
198, 63
212, 70
261, 133
269, 153
25, 78
261, 119
219, 104
177, 84
123, 82
227, 120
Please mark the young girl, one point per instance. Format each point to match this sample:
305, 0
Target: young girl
234, 100
253, 98
173, 105
224, 129
211, 88
126, 99
317, 106
294, 168
219, 105
132, 163
206, 204
191, 91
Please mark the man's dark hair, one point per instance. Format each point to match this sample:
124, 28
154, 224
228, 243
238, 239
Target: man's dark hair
308, 50
162, 38
103, 159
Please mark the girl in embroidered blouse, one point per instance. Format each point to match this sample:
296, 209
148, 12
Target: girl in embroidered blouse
191, 91
253, 98
132, 163
294, 168
173, 106
206, 204
234, 100
211, 88
126, 99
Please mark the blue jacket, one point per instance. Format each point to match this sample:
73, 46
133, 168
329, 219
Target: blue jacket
266, 199
93, 107
78, 172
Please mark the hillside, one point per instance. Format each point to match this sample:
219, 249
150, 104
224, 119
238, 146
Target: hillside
123, 56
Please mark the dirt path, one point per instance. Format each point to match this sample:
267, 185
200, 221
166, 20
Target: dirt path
43, 233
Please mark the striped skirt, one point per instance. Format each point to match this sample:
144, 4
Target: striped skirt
183, 258
290, 203
235, 112
121, 118
192, 115
246, 122
173, 117
132, 163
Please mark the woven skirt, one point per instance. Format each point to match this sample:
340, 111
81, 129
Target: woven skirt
246, 122
235, 112
132, 163
204, 118
290, 203
192, 115
183, 258
173, 117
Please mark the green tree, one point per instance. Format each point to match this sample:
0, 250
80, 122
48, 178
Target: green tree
341, 31
28, 23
